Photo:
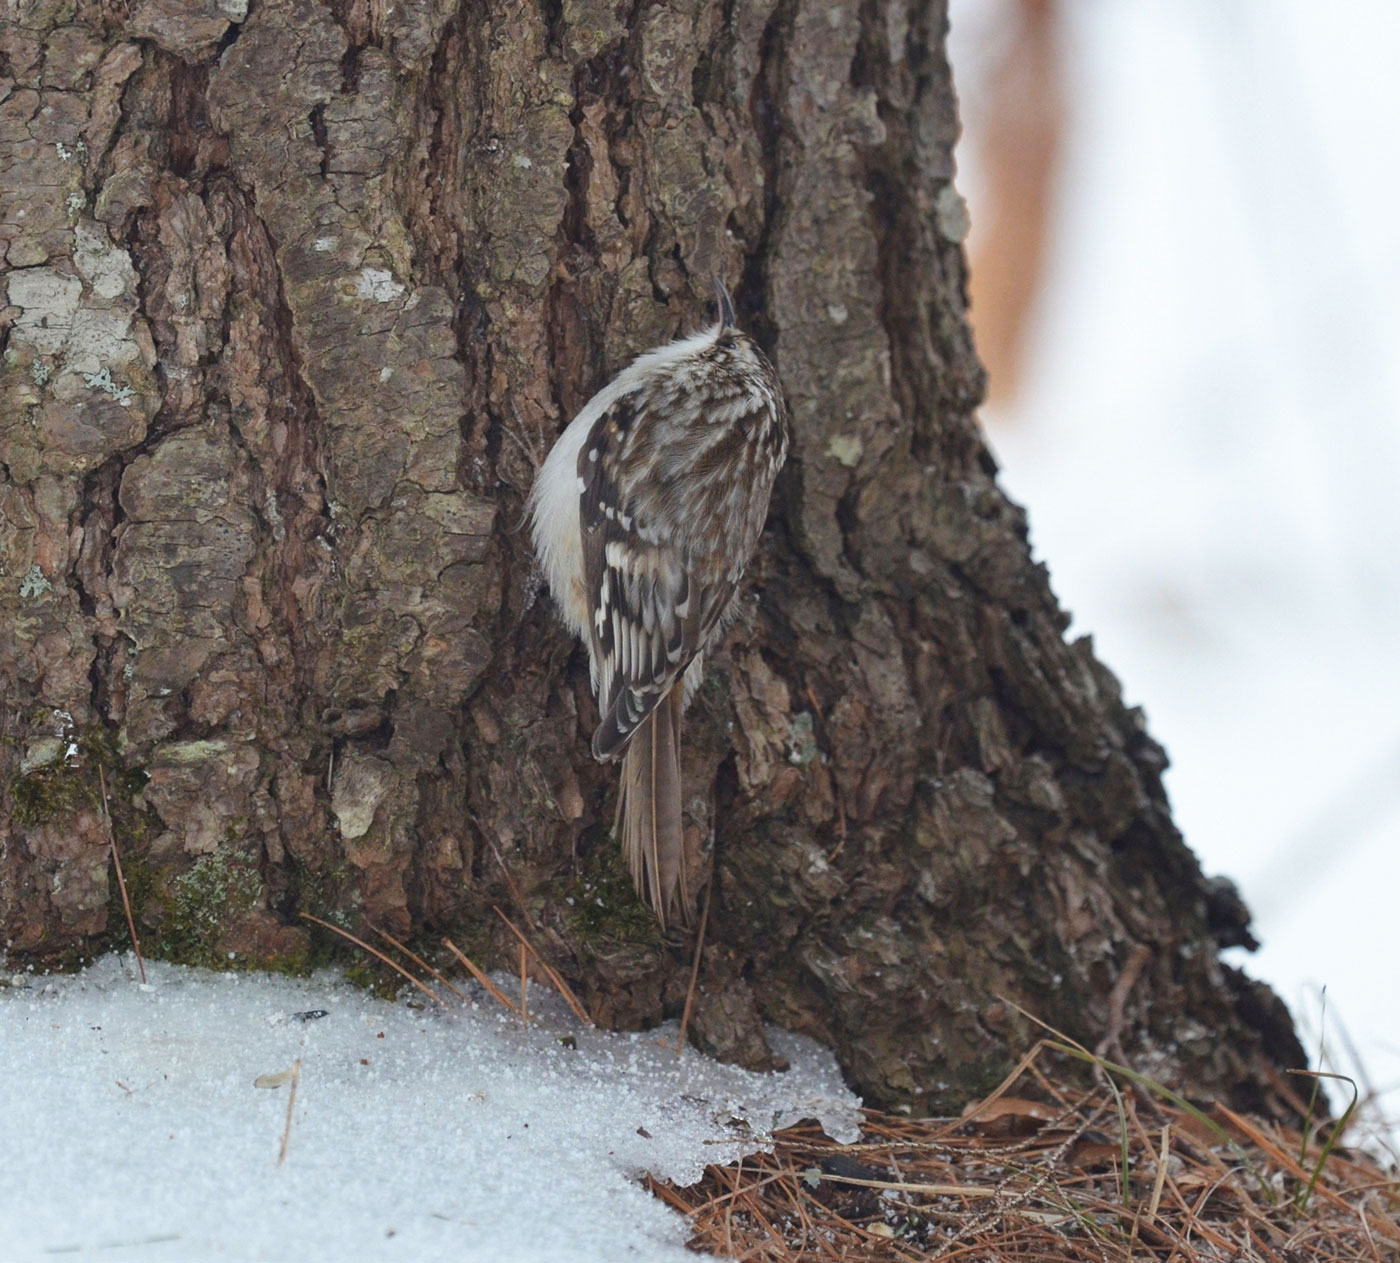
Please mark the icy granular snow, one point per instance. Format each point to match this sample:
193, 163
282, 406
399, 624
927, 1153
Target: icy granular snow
133, 1129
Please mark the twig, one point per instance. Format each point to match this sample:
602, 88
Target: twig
695, 967
121, 880
524, 984
291, 1104
1118, 998
374, 951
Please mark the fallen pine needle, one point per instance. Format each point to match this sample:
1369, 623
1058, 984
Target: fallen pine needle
1161, 1179
375, 952
291, 1104
419, 961
121, 879
497, 994
931, 1190
562, 987
1018, 1180
1269, 1147
695, 968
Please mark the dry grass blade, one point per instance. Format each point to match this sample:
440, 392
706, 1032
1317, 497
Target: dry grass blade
121, 879
496, 993
378, 955
558, 983
1160, 1182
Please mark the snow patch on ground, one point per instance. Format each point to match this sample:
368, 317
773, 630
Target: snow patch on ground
133, 1128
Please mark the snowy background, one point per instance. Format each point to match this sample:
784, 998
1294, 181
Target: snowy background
1208, 444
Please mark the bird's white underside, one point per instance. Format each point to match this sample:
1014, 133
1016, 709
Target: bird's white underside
554, 499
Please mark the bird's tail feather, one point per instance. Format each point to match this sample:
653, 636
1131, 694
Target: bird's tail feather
649, 811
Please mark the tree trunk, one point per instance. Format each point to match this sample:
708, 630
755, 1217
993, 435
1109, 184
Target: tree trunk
298, 296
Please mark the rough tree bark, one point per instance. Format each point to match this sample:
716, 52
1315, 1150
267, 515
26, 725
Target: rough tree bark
297, 296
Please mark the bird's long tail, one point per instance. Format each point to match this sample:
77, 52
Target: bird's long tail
649, 811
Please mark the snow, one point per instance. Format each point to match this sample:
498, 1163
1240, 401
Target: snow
1208, 447
134, 1129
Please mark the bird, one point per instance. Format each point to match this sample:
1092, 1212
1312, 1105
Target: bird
644, 516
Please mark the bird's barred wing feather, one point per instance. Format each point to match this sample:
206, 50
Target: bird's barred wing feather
649, 614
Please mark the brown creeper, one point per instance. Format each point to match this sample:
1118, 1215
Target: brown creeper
645, 514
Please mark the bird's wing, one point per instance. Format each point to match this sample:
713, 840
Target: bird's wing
650, 612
